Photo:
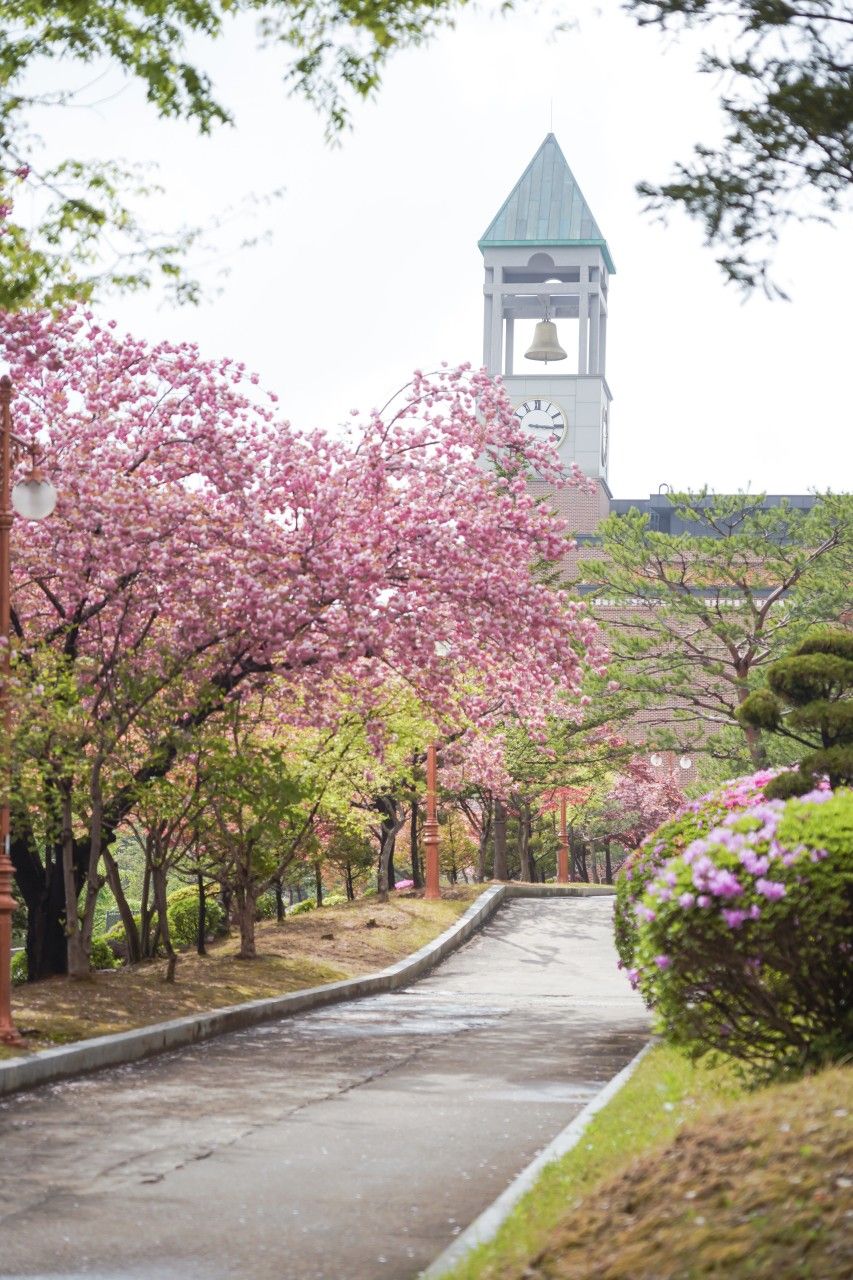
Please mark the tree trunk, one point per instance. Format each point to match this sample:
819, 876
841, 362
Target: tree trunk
279, 900
413, 841
158, 871
77, 962
608, 864
391, 824
201, 932
578, 851
350, 887
526, 872
500, 868
43, 890
484, 841
147, 944
131, 932
754, 740
318, 884
245, 900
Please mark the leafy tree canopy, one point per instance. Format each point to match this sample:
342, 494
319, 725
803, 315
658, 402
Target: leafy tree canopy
694, 618
788, 106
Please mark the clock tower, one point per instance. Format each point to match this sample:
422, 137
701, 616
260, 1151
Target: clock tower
548, 264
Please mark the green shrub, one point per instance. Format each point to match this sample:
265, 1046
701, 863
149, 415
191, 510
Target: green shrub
102, 956
266, 905
19, 968
335, 900
369, 893
117, 936
673, 837
301, 907
182, 914
745, 938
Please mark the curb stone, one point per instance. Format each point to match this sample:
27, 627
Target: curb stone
486, 1226
50, 1065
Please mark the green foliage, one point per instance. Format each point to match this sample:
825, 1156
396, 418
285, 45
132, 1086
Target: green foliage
669, 840
301, 907
182, 913
335, 900
788, 139
745, 939
19, 968
742, 586
808, 699
266, 906
101, 956
788, 147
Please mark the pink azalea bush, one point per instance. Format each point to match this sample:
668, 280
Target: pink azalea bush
691, 821
744, 937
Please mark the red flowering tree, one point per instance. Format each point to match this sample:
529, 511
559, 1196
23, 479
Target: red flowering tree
640, 799
200, 544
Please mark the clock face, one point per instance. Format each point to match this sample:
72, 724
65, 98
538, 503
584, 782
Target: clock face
543, 419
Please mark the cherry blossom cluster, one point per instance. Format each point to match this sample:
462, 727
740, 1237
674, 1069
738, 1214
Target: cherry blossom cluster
198, 533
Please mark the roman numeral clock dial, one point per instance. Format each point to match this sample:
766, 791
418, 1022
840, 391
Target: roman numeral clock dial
543, 419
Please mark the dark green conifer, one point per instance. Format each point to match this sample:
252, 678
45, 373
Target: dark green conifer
809, 698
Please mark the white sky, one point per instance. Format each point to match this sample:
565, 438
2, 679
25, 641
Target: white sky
374, 270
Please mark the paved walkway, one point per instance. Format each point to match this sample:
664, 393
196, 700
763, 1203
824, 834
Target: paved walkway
348, 1144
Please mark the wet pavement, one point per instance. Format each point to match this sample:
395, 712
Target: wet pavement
352, 1143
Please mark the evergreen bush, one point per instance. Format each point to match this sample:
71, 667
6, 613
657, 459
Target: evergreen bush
808, 699
745, 938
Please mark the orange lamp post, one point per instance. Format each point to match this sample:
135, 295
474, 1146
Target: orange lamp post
431, 889
563, 861
33, 498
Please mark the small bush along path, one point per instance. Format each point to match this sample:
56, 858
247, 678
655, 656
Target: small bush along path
320, 946
679, 1177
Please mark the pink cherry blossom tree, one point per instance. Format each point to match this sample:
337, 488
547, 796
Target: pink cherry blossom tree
200, 543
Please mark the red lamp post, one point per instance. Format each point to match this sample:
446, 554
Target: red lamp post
33, 498
431, 889
563, 861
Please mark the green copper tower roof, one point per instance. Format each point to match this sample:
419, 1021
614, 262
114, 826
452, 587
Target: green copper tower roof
546, 207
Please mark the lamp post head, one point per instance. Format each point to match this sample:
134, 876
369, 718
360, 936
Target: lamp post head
35, 497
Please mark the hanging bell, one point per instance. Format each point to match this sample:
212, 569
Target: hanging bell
545, 345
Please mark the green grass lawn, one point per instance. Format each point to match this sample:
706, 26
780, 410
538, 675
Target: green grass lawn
684, 1176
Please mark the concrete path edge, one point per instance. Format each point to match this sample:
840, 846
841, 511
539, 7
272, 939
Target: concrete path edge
486, 1226
129, 1046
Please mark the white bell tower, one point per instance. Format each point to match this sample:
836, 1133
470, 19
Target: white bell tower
546, 259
